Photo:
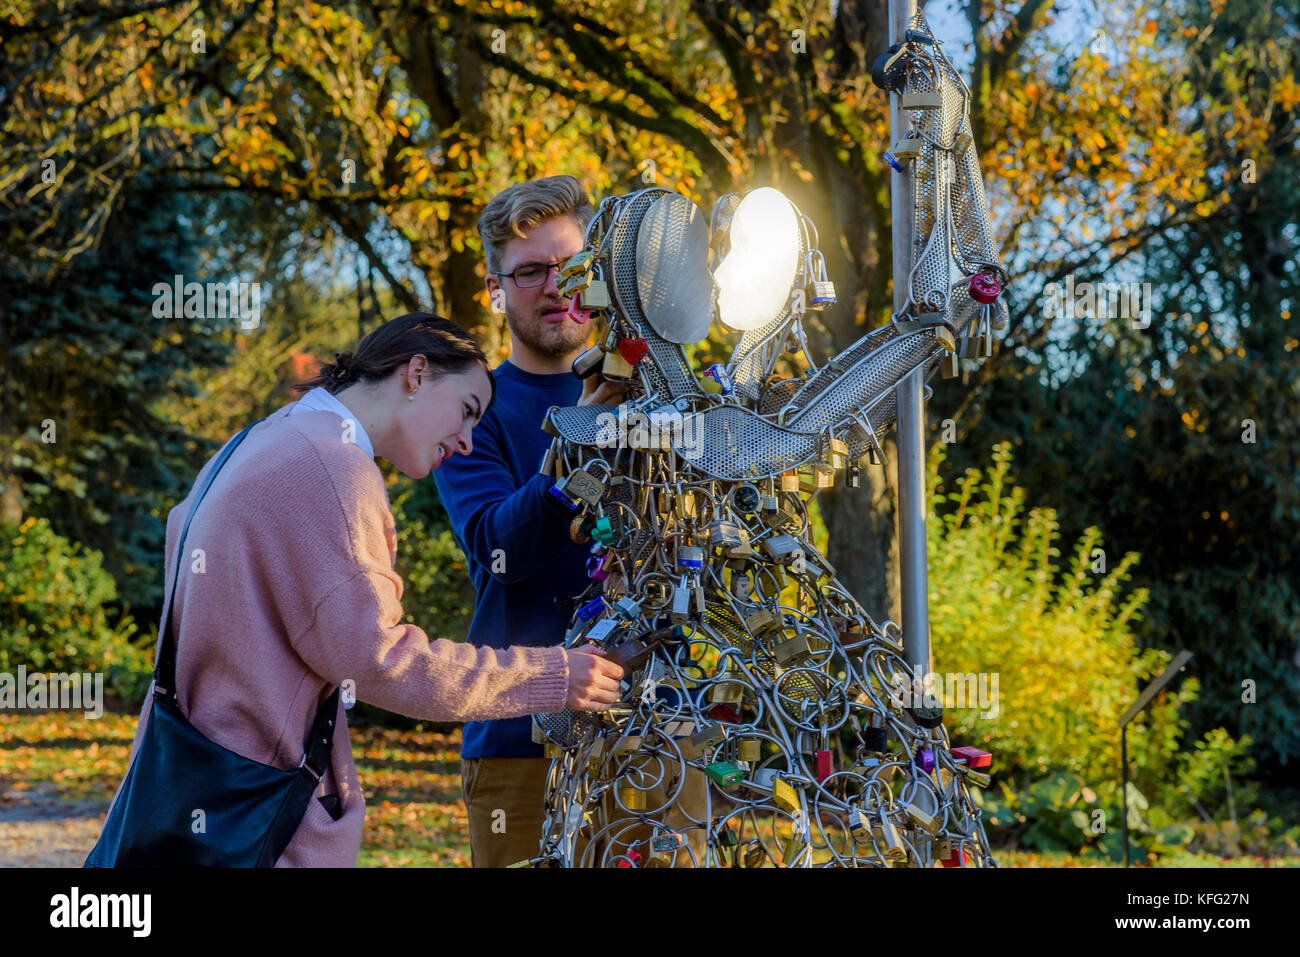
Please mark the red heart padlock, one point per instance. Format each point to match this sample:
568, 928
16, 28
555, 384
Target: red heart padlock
985, 288
633, 350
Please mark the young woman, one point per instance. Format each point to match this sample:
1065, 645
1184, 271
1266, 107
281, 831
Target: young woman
287, 588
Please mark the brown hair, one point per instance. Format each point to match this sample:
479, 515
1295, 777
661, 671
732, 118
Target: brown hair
530, 204
448, 347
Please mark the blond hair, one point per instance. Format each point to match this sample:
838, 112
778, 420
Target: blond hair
525, 205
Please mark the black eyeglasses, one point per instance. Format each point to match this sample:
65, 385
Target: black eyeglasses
532, 275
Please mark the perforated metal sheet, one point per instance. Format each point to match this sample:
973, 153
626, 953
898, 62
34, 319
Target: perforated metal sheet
675, 287
668, 374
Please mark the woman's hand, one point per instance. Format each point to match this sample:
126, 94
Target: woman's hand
593, 681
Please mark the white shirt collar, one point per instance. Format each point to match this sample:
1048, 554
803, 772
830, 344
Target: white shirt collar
319, 400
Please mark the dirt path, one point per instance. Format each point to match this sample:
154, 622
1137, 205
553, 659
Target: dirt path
40, 829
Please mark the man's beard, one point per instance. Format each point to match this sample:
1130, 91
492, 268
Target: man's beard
549, 340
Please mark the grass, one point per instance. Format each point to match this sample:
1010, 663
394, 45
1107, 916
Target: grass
414, 814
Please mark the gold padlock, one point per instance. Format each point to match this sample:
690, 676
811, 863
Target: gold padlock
823, 475
616, 367
790, 481
632, 798
784, 796
749, 750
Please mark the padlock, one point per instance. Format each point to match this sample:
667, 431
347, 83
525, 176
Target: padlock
726, 713
581, 486
587, 364
930, 823
628, 744
578, 263
594, 296
598, 566
746, 499
823, 475
974, 757
919, 100
591, 609
686, 507
791, 848
627, 607
961, 145
580, 532
855, 476
749, 750
925, 759
978, 778
717, 373
781, 548
632, 798
887, 834
858, 827
955, 859
755, 855
791, 651
907, 149
823, 290
727, 847
785, 796
726, 692
950, 366
839, 453
683, 596
666, 843
571, 286
875, 739
762, 620
603, 630
790, 481
603, 530
552, 751
724, 535
823, 765
724, 774
770, 503
690, 556
616, 367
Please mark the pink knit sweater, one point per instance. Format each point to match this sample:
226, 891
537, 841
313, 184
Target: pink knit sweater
293, 592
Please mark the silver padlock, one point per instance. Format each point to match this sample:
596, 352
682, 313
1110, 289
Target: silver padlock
823, 290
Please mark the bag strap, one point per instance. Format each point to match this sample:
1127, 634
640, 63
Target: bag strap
164, 673
317, 753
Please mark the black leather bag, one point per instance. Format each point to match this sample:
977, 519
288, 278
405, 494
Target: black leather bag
187, 801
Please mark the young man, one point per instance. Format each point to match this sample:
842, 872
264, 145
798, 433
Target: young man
514, 534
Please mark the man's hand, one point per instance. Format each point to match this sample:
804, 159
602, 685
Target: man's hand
600, 391
593, 681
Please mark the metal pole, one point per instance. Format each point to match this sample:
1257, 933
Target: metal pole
912, 572
1123, 760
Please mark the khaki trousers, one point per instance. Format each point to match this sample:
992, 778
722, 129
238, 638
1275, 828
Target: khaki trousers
506, 800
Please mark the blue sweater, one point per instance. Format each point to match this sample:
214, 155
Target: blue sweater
497, 500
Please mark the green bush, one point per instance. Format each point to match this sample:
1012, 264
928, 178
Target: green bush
1061, 643
53, 614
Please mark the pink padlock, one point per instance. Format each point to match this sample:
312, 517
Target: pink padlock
577, 315
985, 288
